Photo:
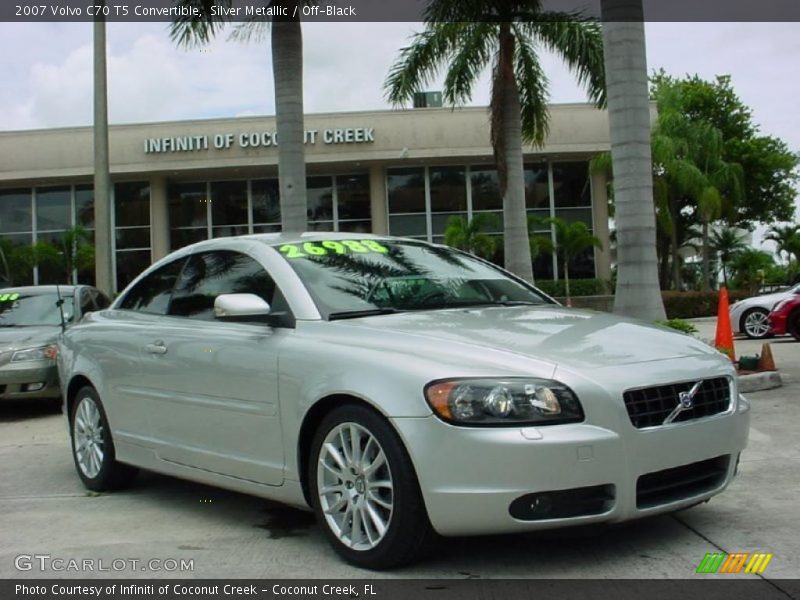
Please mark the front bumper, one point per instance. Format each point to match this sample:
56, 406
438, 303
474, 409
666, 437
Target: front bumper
777, 323
22, 380
470, 477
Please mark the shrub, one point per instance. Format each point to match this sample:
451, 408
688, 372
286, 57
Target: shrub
678, 324
692, 305
577, 287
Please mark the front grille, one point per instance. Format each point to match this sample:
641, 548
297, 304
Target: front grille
677, 483
648, 407
562, 504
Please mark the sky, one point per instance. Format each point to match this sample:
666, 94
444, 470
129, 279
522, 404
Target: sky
46, 71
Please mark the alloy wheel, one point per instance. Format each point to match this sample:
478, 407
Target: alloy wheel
355, 487
756, 324
87, 432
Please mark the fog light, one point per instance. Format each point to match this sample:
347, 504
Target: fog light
541, 504
33, 387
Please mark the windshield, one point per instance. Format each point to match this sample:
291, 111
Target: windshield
26, 309
349, 278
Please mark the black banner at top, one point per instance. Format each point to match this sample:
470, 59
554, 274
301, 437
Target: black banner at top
340, 11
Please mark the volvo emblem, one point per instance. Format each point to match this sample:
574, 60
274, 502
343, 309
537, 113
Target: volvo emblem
685, 402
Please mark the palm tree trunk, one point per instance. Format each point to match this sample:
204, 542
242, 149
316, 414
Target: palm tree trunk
566, 281
706, 287
104, 278
516, 238
638, 293
287, 70
676, 259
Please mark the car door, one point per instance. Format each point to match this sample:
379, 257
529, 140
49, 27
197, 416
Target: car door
121, 335
215, 384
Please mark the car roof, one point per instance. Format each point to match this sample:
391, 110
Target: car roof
33, 290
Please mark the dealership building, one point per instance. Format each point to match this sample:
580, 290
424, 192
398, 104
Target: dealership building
401, 172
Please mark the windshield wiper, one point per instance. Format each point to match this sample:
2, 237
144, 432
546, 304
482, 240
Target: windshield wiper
369, 312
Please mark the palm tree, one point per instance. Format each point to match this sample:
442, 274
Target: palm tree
727, 242
470, 235
787, 239
637, 290
572, 238
287, 71
104, 278
470, 35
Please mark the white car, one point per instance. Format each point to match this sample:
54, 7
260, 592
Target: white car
749, 316
395, 388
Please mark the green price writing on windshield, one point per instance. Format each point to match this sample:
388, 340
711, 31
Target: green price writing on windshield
8, 297
327, 247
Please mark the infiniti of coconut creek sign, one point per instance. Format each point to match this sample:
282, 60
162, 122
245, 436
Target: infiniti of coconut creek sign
255, 139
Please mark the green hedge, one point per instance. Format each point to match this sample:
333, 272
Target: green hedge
691, 305
577, 287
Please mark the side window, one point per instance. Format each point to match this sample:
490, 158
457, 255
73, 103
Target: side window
152, 294
210, 274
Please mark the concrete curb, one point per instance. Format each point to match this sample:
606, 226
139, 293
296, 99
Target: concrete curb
755, 382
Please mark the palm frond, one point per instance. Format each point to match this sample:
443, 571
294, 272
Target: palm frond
468, 62
533, 87
192, 31
579, 41
421, 61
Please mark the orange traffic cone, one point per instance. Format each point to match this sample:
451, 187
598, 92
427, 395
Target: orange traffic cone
723, 341
766, 362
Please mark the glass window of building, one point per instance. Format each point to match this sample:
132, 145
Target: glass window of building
84, 206
485, 189
448, 189
571, 184
406, 190
319, 192
188, 213
537, 186
229, 208
353, 203
53, 208
132, 230
406, 195
266, 205
132, 204
15, 211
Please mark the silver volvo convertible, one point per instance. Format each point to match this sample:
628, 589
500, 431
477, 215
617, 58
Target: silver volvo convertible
398, 389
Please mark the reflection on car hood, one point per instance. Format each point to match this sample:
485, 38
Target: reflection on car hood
16, 338
579, 338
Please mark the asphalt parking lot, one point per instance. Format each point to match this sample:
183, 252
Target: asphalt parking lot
44, 510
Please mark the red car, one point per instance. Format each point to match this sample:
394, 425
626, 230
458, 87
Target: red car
785, 317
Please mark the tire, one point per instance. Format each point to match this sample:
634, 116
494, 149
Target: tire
362, 492
92, 446
755, 324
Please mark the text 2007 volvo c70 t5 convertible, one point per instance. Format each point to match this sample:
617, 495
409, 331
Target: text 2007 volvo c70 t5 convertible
397, 388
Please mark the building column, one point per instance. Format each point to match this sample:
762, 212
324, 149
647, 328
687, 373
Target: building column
602, 256
377, 196
159, 218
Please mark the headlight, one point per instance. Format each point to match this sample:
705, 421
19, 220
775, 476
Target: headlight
508, 402
41, 353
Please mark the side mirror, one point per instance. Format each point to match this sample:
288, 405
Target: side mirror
241, 307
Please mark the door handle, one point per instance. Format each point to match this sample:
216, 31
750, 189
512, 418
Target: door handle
156, 348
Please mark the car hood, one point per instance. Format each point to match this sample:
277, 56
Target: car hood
16, 338
578, 338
